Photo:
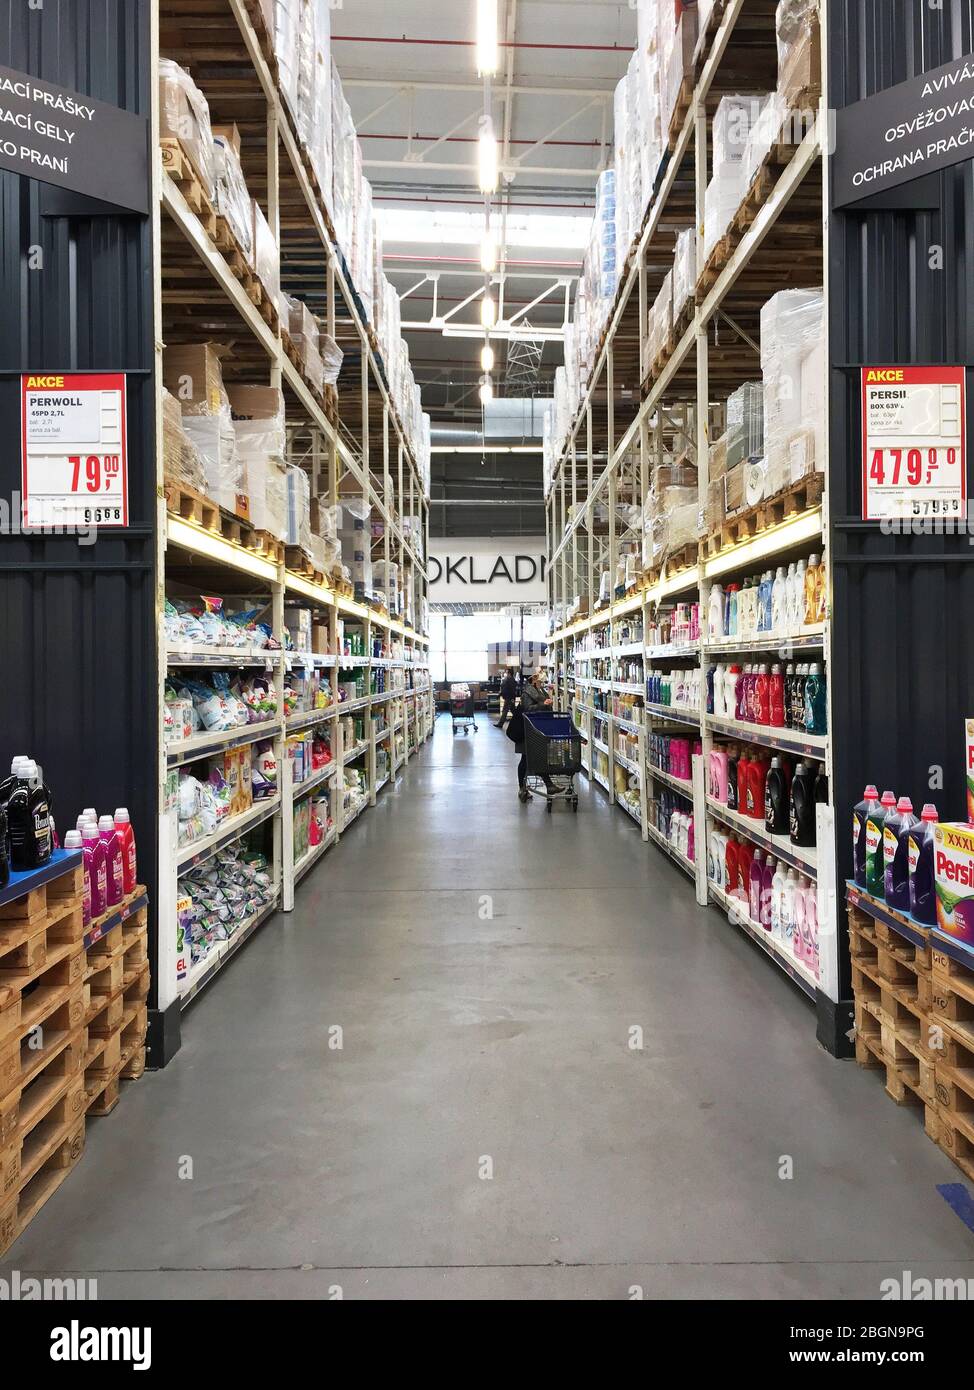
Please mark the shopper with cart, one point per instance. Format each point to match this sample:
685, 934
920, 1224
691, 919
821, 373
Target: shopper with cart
508, 698
533, 697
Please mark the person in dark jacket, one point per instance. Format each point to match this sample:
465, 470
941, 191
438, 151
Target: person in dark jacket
508, 698
533, 696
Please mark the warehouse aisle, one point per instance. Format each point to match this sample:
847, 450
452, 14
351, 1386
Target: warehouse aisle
486, 965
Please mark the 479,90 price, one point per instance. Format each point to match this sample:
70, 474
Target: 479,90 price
909, 467
94, 472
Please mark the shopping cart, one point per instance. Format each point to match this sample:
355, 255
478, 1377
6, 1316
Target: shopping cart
553, 749
462, 713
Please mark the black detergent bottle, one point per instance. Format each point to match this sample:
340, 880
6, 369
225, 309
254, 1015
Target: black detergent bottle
4, 849
29, 821
803, 807
776, 811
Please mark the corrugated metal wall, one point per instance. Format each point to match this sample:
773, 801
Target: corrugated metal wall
903, 665
77, 626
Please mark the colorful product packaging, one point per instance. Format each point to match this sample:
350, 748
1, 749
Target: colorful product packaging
954, 869
969, 727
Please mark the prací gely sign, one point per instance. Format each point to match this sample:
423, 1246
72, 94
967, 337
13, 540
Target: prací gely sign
73, 141
912, 129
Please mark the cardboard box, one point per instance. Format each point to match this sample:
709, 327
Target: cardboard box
969, 729
800, 74
245, 787
953, 852
231, 134
193, 373
718, 458
716, 504
734, 480
231, 775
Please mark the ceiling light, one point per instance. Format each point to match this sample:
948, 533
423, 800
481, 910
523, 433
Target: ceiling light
487, 357
488, 156
488, 311
488, 252
488, 57
486, 391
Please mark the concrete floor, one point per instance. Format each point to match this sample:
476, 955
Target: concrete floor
470, 1036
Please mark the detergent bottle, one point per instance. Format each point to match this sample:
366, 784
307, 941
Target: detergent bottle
730, 609
901, 819
73, 840
777, 893
788, 898
762, 697
29, 820
796, 597
776, 698
114, 869
802, 812
810, 596
875, 863
779, 598
798, 917
96, 869
816, 701
756, 780
733, 765
923, 895
719, 770
809, 938
745, 858
715, 621
754, 886
869, 802
767, 892
4, 848
776, 812
896, 855
126, 835
730, 864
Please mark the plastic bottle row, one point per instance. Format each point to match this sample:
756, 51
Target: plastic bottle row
676, 689
27, 838
779, 602
775, 899
673, 754
893, 853
776, 697
777, 792
110, 862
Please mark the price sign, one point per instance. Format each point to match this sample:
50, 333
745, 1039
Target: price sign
914, 443
74, 451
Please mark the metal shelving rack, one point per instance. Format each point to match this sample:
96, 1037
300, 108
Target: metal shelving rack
627, 412
361, 454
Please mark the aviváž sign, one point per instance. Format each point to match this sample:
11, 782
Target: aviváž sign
914, 461
909, 130
73, 141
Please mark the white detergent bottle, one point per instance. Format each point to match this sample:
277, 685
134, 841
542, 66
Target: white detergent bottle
796, 606
788, 899
777, 894
779, 601
716, 611
798, 918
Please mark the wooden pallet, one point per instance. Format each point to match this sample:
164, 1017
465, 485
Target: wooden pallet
188, 504
909, 1080
116, 984
50, 1162
176, 162
678, 118
792, 501
298, 561
952, 1002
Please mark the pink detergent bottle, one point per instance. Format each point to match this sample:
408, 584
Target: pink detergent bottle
74, 840
126, 835
96, 869
113, 860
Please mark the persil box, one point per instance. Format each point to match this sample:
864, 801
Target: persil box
954, 869
969, 727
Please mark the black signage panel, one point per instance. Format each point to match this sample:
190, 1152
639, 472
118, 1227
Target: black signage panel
907, 131
73, 141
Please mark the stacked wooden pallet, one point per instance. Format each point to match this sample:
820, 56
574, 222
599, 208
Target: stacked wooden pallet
116, 988
914, 1007
73, 1022
42, 1043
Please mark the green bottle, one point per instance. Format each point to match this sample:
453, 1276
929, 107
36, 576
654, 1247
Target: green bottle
875, 861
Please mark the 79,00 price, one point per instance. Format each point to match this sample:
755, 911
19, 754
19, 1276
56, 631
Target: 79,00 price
94, 472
